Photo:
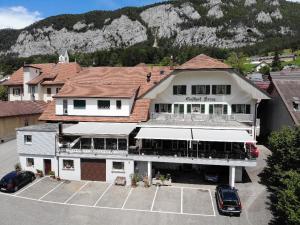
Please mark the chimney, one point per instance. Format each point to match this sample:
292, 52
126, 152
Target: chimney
149, 77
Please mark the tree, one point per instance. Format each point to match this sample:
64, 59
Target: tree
237, 61
265, 70
3, 93
276, 63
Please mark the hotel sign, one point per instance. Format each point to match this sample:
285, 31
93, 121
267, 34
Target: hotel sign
200, 99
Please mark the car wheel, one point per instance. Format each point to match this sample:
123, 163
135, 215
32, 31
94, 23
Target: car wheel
16, 188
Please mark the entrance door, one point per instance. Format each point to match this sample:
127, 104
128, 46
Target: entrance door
93, 169
47, 166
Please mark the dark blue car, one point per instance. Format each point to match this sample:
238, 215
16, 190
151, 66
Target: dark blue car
228, 200
13, 181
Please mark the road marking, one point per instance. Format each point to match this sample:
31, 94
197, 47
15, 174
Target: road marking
102, 194
212, 203
127, 198
29, 186
181, 201
58, 185
152, 205
75, 193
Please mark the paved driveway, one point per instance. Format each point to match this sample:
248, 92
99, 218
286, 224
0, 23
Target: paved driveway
8, 156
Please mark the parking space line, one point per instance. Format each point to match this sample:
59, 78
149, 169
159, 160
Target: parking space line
152, 205
76, 192
103, 194
212, 203
51, 190
127, 198
29, 186
192, 188
181, 201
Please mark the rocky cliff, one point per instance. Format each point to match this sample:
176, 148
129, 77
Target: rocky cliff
211, 23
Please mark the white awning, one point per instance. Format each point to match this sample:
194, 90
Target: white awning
105, 129
164, 133
222, 135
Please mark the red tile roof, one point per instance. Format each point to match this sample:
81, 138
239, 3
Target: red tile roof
19, 108
203, 62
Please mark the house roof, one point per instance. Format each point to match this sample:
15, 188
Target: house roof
51, 74
287, 90
140, 113
18, 108
203, 62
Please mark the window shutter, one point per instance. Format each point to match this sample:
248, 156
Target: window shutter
157, 108
248, 109
174, 90
214, 89
225, 109
228, 89
233, 108
183, 90
207, 88
211, 109
193, 89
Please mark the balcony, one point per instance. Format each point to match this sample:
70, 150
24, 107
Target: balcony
82, 151
242, 118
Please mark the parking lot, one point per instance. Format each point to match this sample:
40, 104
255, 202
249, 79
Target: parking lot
170, 200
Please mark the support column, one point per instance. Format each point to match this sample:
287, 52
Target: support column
150, 172
231, 176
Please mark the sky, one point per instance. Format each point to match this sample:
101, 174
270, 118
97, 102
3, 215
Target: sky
21, 13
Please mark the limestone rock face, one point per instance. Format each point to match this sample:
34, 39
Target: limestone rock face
167, 18
250, 2
120, 32
277, 14
263, 17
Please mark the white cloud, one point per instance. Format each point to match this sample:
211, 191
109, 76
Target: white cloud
17, 17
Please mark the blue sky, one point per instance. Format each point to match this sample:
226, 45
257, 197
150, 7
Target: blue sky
21, 13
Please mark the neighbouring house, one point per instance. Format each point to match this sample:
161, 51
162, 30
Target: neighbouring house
284, 107
261, 65
18, 114
256, 60
39, 81
260, 80
110, 122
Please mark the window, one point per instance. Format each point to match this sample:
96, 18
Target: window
218, 109
163, 108
240, 108
179, 90
179, 108
200, 89
32, 89
68, 164
111, 144
221, 89
103, 104
196, 108
27, 139
16, 91
122, 144
79, 104
119, 104
86, 143
296, 103
57, 90
49, 91
29, 162
65, 106
118, 166
99, 143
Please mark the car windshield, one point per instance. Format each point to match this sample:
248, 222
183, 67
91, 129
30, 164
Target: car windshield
230, 198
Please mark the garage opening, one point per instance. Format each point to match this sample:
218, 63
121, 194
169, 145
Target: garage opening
93, 169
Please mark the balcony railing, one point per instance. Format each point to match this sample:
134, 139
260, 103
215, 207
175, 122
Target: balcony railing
92, 151
194, 154
202, 117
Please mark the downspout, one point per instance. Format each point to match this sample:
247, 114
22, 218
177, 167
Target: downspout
255, 119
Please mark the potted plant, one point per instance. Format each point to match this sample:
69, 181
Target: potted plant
146, 181
52, 174
58, 178
18, 167
134, 180
39, 173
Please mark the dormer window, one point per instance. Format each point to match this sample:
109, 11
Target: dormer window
296, 103
103, 104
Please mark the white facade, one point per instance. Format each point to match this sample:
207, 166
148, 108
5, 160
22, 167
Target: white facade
112, 174
92, 109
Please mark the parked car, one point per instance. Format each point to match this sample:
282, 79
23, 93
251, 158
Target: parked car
228, 200
13, 181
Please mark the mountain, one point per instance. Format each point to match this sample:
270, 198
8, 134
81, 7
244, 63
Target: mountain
208, 23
